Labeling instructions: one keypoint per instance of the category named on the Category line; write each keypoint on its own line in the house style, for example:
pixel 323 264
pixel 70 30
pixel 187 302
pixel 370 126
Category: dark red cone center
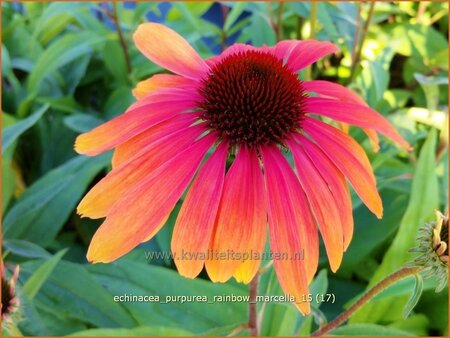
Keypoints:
pixel 252 98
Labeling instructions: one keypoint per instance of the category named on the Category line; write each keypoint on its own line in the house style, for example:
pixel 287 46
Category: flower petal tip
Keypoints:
pixel 304 308
pixel 83 145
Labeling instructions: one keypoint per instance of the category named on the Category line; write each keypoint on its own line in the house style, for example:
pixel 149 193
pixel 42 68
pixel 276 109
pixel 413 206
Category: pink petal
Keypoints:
pixel 335 181
pixel 161 81
pixel 350 158
pixel 130 148
pixel 282 50
pixel 233 49
pixel 322 204
pixel 142 211
pixel 336 91
pixel 355 114
pixel 169 50
pixel 140 117
pixel 99 200
pixel 291 227
pixel 332 90
pixel 307 52
pixel 195 221
pixel 241 219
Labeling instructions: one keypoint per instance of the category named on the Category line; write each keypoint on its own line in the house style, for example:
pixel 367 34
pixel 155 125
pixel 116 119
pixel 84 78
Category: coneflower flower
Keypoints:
pixel 249 106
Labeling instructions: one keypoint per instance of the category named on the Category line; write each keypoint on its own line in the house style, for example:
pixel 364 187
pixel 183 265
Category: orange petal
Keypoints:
pixel 140 212
pixel 169 50
pixel 241 218
pixel 195 222
pixel 322 204
pixel 130 148
pixel 137 119
pixel 285 227
pixel 336 182
pixel 351 160
pixel 160 81
pixel 373 139
pixel 105 193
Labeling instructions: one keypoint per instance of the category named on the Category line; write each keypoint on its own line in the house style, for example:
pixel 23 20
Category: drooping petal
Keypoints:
pixel 169 50
pixel 290 230
pixel 141 211
pixel 349 158
pixel 335 181
pixel 322 204
pixel 336 91
pixel 122 128
pixel 355 114
pixel 161 81
pixel 241 218
pixel 306 52
pixel 128 149
pixel 105 193
pixel 195 222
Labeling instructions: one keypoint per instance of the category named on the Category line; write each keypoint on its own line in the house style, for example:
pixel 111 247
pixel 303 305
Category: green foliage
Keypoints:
pixel 65 71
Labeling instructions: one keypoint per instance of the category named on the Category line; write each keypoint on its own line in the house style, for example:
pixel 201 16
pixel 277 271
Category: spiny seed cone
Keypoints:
pixel 433 250
pixel 251 98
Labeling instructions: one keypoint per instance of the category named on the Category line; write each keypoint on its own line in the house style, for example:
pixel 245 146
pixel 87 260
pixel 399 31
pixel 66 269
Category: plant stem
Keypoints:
pixel 312 33
pixel 223 37
pixel 271 20
pixel 355 61
pixel 421 11
pixel 252 313
pixel 383 284
pixel 115 18
pixel 280 21
pixel 357 32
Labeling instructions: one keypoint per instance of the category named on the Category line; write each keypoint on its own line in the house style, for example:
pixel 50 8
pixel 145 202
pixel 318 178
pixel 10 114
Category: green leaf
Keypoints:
pixel 61 52
pixel 115 61
pixel 82 123
pixel 237 9
pixel 430 86
pixel 12 133
pixel 44 207
pixel 73 293
pixel 370 232
pixel 424 199
pixel 417 324
pixel 38 278
pixel 404 287
pixel 149 331
pixel 368 330
pixel 56 12
pixel 415 296
pixel 125 277
pixel 261 31
pixel 25 249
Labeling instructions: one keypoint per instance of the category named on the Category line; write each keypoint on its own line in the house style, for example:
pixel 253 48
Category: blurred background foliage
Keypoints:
pixel 69 66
